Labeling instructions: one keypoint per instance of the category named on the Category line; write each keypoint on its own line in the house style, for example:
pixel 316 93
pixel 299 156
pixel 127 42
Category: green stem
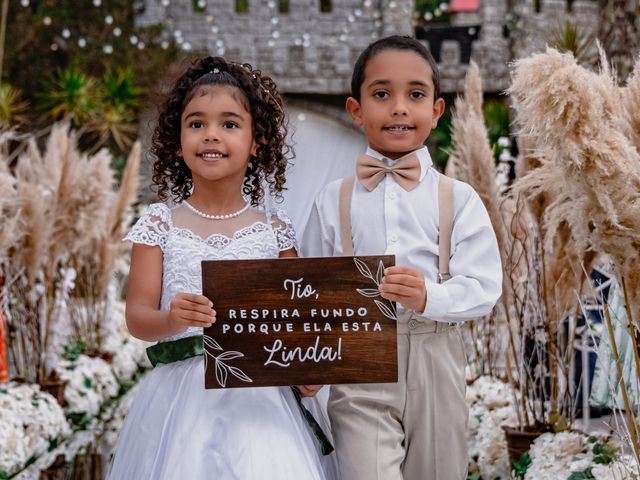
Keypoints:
pixel 631 421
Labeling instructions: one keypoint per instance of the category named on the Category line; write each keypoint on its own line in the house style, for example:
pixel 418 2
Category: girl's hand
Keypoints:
pixel 190 310
pixel 308 390
pixel 406 286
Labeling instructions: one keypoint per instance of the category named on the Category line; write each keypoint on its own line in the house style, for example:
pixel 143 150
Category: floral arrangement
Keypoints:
pixel 90 382
pixel 96 399
pixel 576 177
pixel 32 421
pixel 552 456
pixel 574 455
pixel 58 263
pixel 490 408
pixel 574 201
pixel 583 129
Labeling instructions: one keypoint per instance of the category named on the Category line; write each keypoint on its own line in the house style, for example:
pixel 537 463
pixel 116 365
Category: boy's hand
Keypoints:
pixel 190 310
pixel 406 286
pixel 308 390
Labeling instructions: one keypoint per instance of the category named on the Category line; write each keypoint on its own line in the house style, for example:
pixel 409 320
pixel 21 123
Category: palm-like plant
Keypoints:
pixel 71 94
pixel 115 121
pixel 569 38
pixel 119 89
pixel 12 107
pixel 112 123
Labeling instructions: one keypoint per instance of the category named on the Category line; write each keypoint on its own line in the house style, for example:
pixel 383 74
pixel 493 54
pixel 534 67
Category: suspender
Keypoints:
pixel 346 192
pixel 445 207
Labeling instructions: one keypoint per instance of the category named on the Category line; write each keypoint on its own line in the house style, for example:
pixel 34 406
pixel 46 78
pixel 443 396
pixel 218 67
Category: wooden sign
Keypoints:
pixel 297 321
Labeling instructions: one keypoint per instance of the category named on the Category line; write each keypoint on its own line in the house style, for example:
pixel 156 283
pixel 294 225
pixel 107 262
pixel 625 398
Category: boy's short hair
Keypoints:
pixel 393 42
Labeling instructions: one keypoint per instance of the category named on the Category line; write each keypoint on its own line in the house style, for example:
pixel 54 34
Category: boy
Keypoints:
pixel 414 429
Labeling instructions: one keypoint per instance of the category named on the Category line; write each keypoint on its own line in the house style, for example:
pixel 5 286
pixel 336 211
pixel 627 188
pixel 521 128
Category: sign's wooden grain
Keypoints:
pixel 295 321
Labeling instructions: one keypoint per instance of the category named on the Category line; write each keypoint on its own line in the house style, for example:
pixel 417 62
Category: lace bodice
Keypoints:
pixel 183 250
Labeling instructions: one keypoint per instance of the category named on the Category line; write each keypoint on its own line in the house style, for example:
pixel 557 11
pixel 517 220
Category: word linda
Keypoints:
pixel 282 356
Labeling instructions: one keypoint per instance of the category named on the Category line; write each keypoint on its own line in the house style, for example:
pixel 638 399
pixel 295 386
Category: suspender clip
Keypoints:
pixel 443 277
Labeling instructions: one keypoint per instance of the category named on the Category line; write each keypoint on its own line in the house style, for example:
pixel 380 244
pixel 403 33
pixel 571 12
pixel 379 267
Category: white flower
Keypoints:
pixel 491 445
pixel 624 468
pixel 552 455
pixel 91 382
pixel 504 142
pixel 30 421
pixel 129 358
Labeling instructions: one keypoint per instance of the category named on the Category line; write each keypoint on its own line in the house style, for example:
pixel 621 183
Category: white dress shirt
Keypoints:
pixel 391 220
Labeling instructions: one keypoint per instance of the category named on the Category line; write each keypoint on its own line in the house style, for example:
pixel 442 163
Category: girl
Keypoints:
pixel 219 139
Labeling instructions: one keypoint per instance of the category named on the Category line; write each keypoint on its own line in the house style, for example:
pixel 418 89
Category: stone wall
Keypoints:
pixel 308 51
pixel 305 50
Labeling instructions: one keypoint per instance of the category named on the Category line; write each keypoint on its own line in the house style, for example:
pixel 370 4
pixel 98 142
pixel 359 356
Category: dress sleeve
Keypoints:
pixel 152 228
pixel 283 228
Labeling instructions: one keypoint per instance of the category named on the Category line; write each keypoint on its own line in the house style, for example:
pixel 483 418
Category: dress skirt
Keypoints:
pixel 175 429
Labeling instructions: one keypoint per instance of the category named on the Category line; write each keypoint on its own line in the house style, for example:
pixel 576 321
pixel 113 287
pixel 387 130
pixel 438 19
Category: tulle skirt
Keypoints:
pixel 175 429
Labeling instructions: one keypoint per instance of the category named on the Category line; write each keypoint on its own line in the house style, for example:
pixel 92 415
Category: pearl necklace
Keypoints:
pixel 215 217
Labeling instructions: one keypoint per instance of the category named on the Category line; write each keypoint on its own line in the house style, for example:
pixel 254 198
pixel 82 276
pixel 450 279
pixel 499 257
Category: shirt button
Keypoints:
pixel 412 324
pixel 392 195
pixel 393 238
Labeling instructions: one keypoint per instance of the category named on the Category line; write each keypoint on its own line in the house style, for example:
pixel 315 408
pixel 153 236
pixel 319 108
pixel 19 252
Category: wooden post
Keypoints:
pixel 4 367
pixel 3 31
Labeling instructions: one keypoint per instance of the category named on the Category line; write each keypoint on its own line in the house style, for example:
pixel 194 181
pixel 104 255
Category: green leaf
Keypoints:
pixel 80 420
pixel 72 350
pixel 604 454
pixel 120 90
pixel 521 467
pixel 70 94
pixel 586 474
pixel 12 107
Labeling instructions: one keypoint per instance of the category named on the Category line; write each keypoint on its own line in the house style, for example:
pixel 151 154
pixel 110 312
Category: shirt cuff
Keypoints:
pixel 437 301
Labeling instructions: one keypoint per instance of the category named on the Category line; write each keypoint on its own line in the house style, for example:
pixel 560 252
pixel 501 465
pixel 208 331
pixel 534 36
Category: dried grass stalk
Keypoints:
pixel 9 220
pixel 471 160
pixel 472 157
pixel 70 217
pixel 629 415
pixel 574 116
pixel 631 104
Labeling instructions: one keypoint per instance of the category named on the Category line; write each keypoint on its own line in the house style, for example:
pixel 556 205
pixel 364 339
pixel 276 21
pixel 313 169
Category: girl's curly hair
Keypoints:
pixel 262 101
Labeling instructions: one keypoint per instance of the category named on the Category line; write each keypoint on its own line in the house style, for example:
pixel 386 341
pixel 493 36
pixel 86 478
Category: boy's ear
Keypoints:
pixel 353 108
pixel 438 110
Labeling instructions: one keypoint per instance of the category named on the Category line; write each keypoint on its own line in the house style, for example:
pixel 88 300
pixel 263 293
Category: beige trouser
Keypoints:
pixel 414 429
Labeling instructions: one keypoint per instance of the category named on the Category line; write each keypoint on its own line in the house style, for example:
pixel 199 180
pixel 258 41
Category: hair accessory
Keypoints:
pixel 215 217
pixel 215 70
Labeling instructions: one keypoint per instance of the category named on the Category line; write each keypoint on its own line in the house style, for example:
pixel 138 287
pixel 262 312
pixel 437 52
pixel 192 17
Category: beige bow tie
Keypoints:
pixel 405 171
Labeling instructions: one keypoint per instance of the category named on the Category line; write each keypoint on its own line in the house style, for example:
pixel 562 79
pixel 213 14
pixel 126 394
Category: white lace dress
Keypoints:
pixel 175 428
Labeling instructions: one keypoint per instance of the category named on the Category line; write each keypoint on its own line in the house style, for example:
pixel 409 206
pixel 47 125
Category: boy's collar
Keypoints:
pixel 422 153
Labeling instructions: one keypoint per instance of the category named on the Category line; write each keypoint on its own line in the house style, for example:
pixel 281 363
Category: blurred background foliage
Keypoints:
pixel 97 69
pixel 432 12
pixel 497 120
